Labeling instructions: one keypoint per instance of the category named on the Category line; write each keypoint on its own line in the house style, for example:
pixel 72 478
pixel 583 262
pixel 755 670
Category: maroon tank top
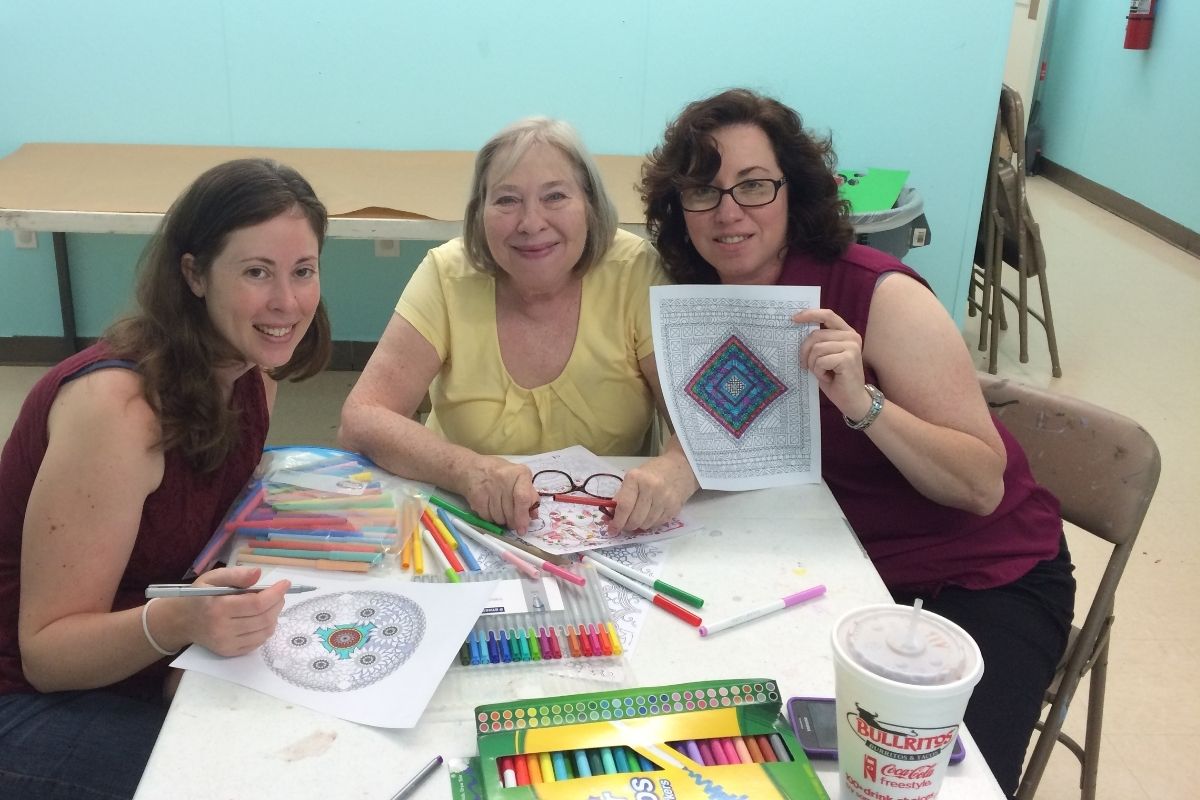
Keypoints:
pixel 915 543
pixel 177 518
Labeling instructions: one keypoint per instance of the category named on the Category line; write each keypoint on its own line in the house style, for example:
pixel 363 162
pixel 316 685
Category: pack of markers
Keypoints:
pixel 542 621
pixel 313 507
pixel 686 741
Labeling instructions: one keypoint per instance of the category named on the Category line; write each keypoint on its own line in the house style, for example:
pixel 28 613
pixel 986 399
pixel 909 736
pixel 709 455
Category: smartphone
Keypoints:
pixel 814 722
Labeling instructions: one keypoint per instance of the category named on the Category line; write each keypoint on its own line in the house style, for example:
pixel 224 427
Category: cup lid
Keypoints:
pixel 888 642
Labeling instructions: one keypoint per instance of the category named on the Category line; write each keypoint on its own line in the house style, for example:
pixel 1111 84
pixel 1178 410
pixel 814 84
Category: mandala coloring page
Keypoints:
pixel 369 650
pixel 744 409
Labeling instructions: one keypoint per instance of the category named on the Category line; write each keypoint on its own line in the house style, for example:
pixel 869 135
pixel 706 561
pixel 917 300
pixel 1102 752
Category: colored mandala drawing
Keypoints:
pixel 341 642
pixel 734 386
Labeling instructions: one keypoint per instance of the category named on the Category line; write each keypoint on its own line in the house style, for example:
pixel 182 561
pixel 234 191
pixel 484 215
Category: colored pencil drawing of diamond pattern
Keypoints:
pixel 734 386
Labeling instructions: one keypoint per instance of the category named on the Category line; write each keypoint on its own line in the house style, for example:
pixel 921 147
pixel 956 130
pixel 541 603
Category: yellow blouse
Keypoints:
pixel 600 400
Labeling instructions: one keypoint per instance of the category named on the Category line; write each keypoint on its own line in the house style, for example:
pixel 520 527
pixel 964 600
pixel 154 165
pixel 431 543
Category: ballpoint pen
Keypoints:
pixel 417 779
pixel 192 590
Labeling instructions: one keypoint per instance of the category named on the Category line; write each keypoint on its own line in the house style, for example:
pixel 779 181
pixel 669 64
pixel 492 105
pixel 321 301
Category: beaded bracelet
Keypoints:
pixel 876 407
pixel 146 630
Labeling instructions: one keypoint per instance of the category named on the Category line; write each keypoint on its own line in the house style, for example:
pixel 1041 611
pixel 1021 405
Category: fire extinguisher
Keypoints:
pixel 1140 24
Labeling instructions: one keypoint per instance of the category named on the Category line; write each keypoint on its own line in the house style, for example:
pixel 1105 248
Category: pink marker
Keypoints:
pixel 762 611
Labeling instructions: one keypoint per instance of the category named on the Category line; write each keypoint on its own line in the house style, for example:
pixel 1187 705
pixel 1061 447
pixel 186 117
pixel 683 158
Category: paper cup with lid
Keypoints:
pixel 903 678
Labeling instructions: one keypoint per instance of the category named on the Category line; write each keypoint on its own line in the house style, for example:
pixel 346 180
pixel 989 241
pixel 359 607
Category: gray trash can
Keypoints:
pixel 896 230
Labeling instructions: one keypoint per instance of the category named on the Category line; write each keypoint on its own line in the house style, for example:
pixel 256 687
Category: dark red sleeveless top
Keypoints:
pixel 177 518
pixel 914 542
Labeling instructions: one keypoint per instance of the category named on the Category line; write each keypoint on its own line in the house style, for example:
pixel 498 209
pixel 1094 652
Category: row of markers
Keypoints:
pixel 543 644
pixel 525 769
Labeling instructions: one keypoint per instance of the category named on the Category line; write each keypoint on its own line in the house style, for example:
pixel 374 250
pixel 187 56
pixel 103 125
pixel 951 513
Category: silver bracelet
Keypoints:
pixel 872 413
pixel 146 630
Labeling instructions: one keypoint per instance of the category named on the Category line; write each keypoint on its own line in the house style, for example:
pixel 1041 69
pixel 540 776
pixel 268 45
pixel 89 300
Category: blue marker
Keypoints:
pixel 618 754
pixel 561 771
pixel 493 648
pixel 581 764
pixel 505 652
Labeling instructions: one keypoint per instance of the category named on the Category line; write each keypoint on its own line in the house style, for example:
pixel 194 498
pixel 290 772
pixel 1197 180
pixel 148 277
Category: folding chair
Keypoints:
pixel 1008 234
pixel 1104 468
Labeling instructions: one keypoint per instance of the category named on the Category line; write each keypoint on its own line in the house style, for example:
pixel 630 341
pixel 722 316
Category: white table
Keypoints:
pixel 221 740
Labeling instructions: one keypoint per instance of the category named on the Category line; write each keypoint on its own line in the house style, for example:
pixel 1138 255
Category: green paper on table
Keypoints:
pixel 871 190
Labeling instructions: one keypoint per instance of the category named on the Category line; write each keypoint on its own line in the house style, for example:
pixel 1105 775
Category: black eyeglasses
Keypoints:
pixel 602 485
pixel 747 194
pixel 600 489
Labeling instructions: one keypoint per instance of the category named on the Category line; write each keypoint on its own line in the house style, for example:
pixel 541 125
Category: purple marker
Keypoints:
pixel 762 611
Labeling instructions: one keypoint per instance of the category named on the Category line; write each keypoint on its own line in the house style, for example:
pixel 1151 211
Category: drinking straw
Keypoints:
pixel 909 645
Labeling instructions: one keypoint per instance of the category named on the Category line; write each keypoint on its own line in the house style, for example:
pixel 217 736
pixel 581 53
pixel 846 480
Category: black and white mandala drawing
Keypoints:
pixel 344 641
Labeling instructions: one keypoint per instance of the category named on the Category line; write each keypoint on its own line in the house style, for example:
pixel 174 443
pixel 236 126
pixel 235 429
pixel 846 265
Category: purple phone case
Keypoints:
pixel 794 710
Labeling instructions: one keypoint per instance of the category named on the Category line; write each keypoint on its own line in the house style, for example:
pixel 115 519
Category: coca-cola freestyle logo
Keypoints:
pixel 898 743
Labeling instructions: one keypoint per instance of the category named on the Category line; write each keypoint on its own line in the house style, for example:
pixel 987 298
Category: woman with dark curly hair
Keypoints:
pixel 122 462
pixel 939 493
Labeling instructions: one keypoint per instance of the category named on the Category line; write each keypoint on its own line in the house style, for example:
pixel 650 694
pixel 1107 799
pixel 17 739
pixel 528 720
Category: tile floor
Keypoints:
pixel 1109 282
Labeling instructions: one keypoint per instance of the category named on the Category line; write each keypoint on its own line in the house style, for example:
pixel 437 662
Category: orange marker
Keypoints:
pixel 406 552
pixel 533 768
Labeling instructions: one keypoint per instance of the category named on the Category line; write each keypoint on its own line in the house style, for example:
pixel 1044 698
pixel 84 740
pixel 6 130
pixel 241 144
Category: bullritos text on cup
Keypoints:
pixel 897 742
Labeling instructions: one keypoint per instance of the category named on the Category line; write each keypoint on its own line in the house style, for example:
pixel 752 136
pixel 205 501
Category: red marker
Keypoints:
pixel 644 591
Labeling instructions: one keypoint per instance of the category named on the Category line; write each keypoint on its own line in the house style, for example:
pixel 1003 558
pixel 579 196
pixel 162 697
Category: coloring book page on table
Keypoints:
pixel 743 408
pixel 370 651
pixel 569 528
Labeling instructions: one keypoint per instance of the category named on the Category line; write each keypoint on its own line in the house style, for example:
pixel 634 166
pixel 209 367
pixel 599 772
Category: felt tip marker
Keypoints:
pixel 762 611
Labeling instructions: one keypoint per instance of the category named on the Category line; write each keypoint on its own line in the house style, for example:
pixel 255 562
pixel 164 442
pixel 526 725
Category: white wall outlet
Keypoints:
pixel 26 240
pixel 387 248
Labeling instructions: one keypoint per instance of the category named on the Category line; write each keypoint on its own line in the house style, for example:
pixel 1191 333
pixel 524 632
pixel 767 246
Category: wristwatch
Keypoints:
pixel 872 413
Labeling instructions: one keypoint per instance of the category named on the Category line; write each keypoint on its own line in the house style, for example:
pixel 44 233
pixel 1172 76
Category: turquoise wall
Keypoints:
pixel 1127 119
pixel 900 85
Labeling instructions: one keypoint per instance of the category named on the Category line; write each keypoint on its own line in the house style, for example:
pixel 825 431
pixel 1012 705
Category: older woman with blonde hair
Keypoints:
pixel 530 333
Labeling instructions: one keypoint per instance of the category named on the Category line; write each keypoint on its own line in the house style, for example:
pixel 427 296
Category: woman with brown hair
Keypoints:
pixel 939 493
pixel 122 462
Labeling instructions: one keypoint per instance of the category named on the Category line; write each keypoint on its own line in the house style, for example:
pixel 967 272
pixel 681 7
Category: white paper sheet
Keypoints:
pixel 570 528
pixel 743 408
pixel 369 650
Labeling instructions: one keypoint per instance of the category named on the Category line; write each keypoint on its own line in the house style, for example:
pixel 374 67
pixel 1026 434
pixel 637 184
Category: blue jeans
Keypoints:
pixel 75 745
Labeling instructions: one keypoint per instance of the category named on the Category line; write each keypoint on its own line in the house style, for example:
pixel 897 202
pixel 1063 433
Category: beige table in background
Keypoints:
pixel 370 194
pixel 224 741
